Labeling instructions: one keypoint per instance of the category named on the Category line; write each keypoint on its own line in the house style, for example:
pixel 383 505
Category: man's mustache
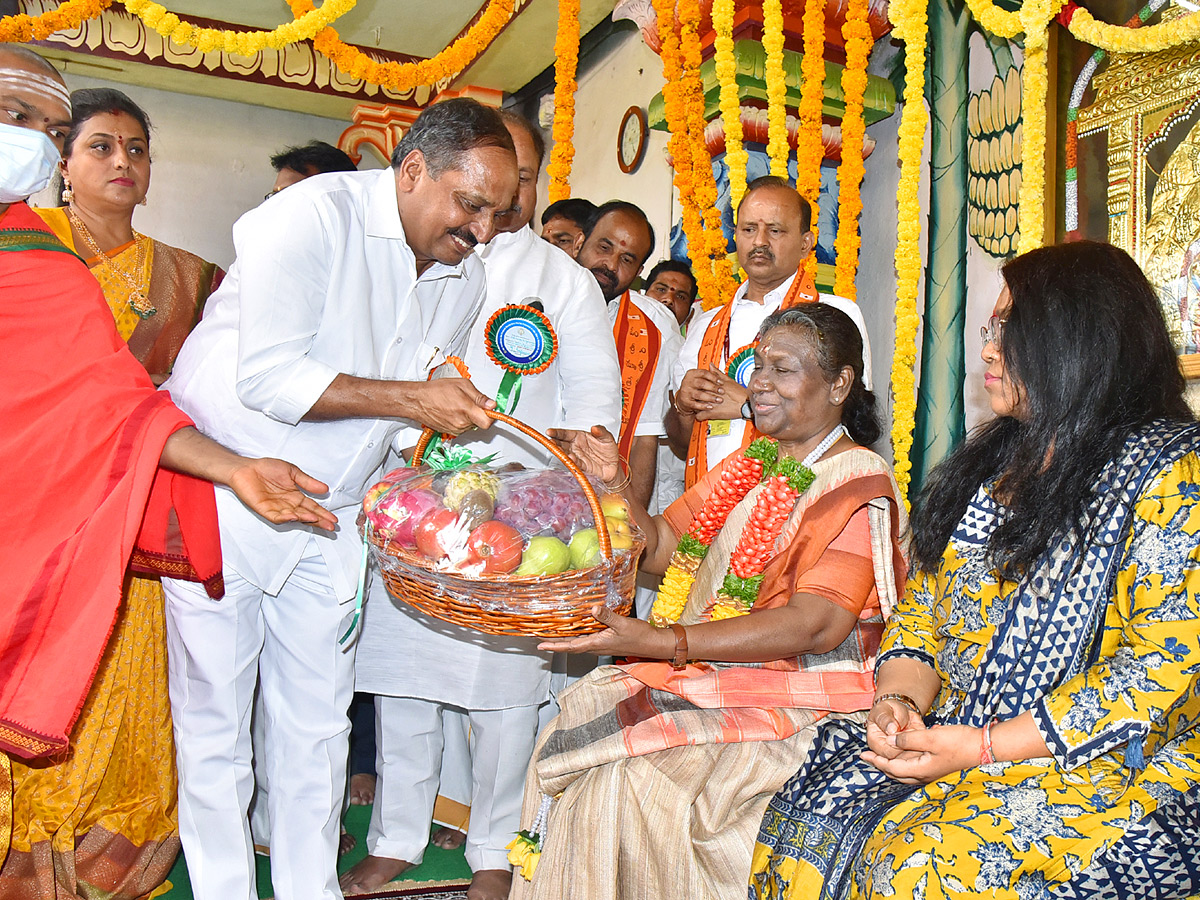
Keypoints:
pixel 763 252
pixel 465 236
pixel 601 272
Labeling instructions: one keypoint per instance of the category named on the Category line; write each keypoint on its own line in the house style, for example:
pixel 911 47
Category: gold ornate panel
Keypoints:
pixel 1149 105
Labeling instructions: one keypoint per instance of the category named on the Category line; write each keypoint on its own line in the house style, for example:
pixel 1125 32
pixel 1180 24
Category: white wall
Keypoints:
pixel 211 162
pixel 622 72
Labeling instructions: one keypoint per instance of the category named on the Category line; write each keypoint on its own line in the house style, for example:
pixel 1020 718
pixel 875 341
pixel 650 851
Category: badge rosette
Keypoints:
pixel 521 341
pixel 741 364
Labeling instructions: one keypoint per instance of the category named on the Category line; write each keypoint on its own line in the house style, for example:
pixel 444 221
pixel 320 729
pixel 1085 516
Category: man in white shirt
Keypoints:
pixel 453 675
pixel 619 240
pixel 347 290
pixel 706 422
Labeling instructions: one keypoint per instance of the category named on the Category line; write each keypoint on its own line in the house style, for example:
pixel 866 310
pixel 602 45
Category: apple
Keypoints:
pixel 497 546
pixel 545 555
pixel 439 533
pixel 585 549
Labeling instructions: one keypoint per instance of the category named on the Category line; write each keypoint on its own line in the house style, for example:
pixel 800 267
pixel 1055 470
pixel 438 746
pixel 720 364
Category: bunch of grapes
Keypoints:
pixel 544 503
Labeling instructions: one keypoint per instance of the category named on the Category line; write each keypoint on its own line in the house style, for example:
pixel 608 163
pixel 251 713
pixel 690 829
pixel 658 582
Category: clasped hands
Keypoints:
pixel 904 748
pixel 706 394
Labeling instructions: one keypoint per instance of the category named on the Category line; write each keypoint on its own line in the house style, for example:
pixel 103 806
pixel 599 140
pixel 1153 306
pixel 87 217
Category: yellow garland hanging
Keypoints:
pixel 403 77
pixel 566 61
pixel 856 32
pixel 995 20
pixel 71 14
pixel 243 43
pixel 1120 39
pixel 909 17
pixel 810 149
pixel 1036 14
pixel 777 138
pixel 736 157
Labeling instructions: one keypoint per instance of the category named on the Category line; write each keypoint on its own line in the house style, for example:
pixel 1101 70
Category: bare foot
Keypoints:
pixel 371 874
pixel 490 884
pixel 448 838
pixel 346 843
pixel 362 789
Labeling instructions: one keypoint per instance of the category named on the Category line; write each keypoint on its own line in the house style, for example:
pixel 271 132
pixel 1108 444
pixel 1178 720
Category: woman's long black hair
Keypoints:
pixel 1085 345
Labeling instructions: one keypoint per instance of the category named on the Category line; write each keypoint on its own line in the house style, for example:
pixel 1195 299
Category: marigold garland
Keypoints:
pixel 70 14
pixel 1035 16
pixel 910 20
pixel 566 61
pixel 810 150
pixel 404 77
pixel 736 157
pixel 784 479
pixel 777 140
pixel 856 32
pixel 683 97
pixel 243 43
pixel 1127 39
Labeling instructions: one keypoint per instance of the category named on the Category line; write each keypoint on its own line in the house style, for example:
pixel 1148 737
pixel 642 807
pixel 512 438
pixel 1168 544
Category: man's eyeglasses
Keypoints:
pixel 992 331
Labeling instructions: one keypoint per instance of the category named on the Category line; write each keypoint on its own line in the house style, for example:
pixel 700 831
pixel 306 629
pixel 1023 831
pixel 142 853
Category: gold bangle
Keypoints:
pixel 900 698
pixel 628 480
pixel 681 646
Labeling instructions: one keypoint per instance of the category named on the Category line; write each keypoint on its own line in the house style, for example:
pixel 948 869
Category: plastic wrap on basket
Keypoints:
pixel 506 550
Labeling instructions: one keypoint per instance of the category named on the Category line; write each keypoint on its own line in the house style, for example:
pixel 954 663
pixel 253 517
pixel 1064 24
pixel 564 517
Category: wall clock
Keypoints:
pixel 631 139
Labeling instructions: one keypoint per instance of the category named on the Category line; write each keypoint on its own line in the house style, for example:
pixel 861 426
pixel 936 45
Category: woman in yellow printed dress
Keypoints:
pixel 101 821
pixel 1034 726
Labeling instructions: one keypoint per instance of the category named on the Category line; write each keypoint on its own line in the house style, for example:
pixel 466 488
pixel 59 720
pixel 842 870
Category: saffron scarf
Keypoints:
pixel 638 343
pixel 713 352
pixel 81 490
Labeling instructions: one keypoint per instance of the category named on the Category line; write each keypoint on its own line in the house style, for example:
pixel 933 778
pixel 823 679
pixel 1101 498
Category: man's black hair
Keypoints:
pixel 573 209
pixel 313 158
pixel 447 130
pixel 672 265
pixel 620 206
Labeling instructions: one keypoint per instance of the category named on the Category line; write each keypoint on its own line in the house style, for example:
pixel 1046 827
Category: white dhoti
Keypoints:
pixel 217 652
pixel 424 671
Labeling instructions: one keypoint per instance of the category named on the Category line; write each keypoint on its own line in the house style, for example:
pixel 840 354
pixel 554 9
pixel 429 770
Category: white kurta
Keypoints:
pixel 324 283
pixel 402 653
pixel 744 323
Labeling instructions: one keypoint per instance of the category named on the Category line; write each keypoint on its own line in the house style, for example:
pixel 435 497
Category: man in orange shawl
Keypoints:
pixel 100 468
pixel 618 241
pixel 707 420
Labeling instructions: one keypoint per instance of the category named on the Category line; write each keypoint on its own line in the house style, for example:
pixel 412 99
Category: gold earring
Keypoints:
pixel 67 195
pixel 142 202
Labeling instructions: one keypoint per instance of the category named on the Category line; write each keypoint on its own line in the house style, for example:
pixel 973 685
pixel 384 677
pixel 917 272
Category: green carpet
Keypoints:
pixel 438 865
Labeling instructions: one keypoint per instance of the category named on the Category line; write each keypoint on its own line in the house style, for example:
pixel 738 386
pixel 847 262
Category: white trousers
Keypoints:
pixel 217 651
pixel 408 762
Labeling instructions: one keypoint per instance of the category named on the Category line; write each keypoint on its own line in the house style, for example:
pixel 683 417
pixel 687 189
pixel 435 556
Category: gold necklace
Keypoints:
pixel 137 299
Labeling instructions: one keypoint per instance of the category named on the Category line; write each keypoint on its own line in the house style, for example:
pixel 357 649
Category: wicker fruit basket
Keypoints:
pixel 539 605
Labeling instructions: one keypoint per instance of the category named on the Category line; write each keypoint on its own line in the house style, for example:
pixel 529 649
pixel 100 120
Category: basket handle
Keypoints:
pixel 588 491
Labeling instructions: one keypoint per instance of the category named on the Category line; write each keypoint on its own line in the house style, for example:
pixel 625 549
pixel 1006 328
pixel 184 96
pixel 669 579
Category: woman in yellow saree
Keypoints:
pixel 100 820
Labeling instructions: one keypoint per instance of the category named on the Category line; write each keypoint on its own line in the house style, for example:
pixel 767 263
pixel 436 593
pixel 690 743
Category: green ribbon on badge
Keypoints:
pixel 741 365
pixel 521 341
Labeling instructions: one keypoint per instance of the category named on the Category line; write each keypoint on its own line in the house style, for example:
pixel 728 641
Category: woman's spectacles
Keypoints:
pixel 992 331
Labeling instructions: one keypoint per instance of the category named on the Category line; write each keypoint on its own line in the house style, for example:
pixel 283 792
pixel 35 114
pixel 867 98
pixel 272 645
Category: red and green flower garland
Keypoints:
pixel 785 480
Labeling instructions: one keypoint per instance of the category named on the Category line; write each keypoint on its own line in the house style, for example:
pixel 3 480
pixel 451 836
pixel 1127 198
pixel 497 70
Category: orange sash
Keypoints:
pixel 638 342
pixel 714 350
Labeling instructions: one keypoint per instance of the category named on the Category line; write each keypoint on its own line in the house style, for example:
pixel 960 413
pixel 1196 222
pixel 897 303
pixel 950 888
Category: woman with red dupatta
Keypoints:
pixel 101 472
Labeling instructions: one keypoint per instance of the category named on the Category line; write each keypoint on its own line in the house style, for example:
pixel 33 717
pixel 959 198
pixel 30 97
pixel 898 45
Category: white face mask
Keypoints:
pixel 27 161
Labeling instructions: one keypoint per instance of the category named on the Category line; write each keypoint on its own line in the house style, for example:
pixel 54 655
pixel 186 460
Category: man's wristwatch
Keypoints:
pixel 747 411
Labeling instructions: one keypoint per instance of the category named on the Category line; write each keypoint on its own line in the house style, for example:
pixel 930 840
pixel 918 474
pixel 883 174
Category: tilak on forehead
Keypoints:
pixel 35 82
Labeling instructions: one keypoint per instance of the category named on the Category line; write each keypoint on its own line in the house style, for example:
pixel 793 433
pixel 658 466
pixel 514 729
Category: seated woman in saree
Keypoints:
pixel 663 767
pixel 1034 727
